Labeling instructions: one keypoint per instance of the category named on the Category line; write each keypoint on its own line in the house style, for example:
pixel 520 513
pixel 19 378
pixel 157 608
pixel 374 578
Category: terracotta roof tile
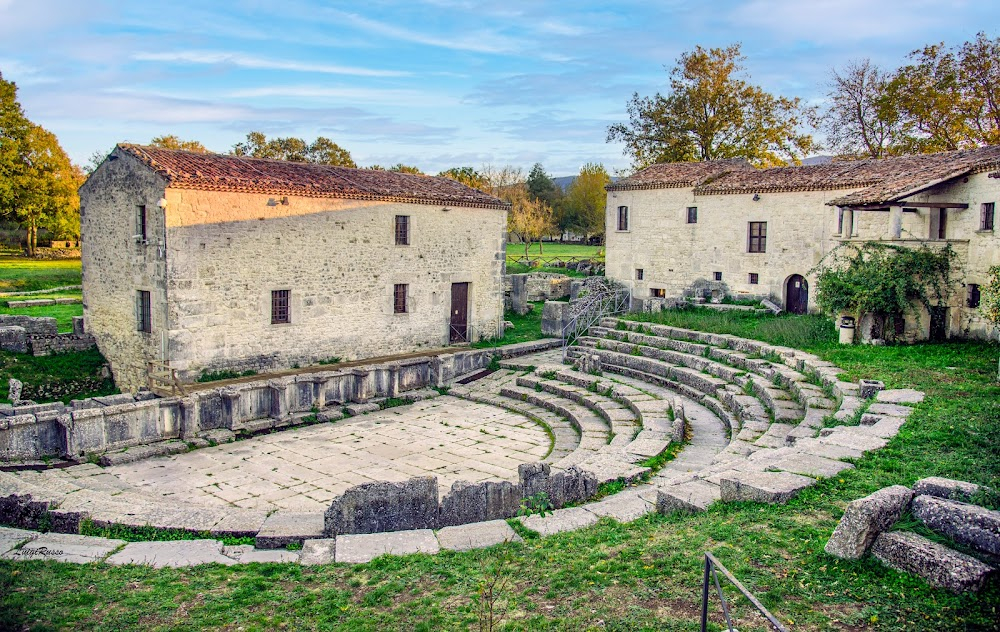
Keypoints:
pixel 679 174
pixel 217 172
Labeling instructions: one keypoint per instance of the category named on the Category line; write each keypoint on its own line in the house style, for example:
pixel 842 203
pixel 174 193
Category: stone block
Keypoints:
pixel 900 396
pixel 519 293
pixel 624 507
pixel 14 339
pixel 384 506
pixel 764 487
pixel 175 554
pixel 138 453
pixel 64 547
pixel 940 566
pixel 247 554
pixel 489 500
pixel 285 527
pixel 555 317
pixel 945 488
pixel 971 525
pixel 893 410
pixel 360 409
pixel 318 551
pixel 559 520
pixel 810 465
pixel 478 535
pixel 693 496
pixel 865 518
pixel 361 548
pixel 10 538
pixel 78 327
pixel 868 389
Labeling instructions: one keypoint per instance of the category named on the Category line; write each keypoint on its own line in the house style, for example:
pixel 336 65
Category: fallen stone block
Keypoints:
pixel 864 519
pixel 65 547
pixel 945 488
pixel 218 436
pixel 693 496
pixel 360 409
pixel 326 416
pixel 140 452
pixel 559 520
pixel 318 551
pixel 764 487
pixel 624 507
pixel 478 535
pixel 361 548
pixel 940 566
pixel 852 437
pixel 893 410
pixel 868 389
pixel 900 396
pixel 283 528
pixel 384 506
pixel 971 525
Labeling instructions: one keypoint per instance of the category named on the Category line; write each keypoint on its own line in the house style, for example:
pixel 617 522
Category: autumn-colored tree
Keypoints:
pixel 467 176
pixel 321 151
pixel 583 208
pixel 528 218
pixel 863 118
pixel 37 181
pixel 171 141
pixel 711 113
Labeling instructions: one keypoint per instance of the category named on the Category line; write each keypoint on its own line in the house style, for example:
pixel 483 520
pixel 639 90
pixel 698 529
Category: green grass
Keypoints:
pixel 526 328
pixel 555 249
pixel 517 268
pixel 641 576
pixel 62 313
pixel 20 274
pixel 60 377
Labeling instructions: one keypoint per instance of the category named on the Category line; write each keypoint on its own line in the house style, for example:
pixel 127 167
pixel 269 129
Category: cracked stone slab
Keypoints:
pixel 691 496
pixel 767 487
pixel 560 520
pixel 810 465
pixel 10 538
pixel 893 410
pixel 173 554
pixel 945 488
pixel 865 518
pixel 852 437
pixel 65 547
pixel 940 566
pixel 286 527
pixel 828 450
pixel 900 396
pixel 318 551
pixel 478 535
pixel 624 507
pixel 364 547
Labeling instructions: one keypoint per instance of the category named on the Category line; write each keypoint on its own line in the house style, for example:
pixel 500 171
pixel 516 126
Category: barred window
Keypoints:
pixel 754 279
pixel 399 298
pixel 143 316
pixel 638 274
pixel 140 223
pixel 402 230
pixel 692 215
pixel 658 292
pixel 758 237
pixel 717 276
pixel 622 218
pixel 280 312
pixel 987 215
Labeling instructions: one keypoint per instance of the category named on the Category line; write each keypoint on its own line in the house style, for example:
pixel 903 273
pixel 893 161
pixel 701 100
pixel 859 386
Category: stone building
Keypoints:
pixel 728 227
pixel 207 262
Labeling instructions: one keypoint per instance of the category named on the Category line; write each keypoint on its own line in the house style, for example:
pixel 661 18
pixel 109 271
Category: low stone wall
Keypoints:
pixel 33 326
pixel 104 424
pixel 43 302
pixel 60 343
pixel 413 504
pixel 540 286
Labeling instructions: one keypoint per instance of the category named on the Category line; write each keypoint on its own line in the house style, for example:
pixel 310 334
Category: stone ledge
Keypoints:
pixel 938 565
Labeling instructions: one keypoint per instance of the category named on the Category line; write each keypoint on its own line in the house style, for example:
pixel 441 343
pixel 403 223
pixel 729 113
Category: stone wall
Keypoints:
pixel 541 286
pixel 60 343
pixel 33 326
pixel 39 336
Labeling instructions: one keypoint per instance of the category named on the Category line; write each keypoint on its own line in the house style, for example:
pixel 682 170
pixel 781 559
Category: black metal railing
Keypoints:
pixel 599 297
pixel 712 568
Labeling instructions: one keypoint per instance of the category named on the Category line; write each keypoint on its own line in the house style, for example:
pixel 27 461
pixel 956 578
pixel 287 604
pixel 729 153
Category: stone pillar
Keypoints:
pixel 190 417
pixel 393 380
pixel 435 369
pixel 78 326
pixel 847 230
pixel 362 390
pixel 231 406
pixel 519 293
pixel 279 401
pixel 555 317
pixel 895 222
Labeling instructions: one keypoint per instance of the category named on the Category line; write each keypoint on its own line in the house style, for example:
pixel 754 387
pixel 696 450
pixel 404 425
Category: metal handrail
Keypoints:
pixel 711 564
pixel 598 306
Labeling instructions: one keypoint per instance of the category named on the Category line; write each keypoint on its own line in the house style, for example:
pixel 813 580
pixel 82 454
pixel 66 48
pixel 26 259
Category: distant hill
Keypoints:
pixel 817 160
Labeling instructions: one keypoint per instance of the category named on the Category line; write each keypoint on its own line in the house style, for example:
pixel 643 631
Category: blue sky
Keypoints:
pixel 435 83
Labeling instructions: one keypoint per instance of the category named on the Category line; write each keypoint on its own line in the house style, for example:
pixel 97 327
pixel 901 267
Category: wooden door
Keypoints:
pixel 797 295
pixel 939 323
pixel 459 329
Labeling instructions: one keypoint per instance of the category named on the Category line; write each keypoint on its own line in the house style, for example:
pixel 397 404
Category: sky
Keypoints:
pixel 431 83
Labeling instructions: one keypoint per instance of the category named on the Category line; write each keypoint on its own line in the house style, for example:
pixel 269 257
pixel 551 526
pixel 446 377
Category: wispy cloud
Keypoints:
pixel 353 94
pixel 240 60
pixel 479 41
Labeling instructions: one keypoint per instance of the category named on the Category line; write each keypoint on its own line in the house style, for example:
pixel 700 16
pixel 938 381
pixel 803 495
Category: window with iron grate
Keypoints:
pixel 402 230
pixel 280 312
pixel 399 298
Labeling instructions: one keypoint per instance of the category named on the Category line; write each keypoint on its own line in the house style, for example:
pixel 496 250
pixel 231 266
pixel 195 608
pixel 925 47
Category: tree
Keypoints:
pixel 712 113
pixel 541 186
pixel 173 142
pixel 321 151
pixel 989 302
pixel 467 176
pixel 929 96
pixel 37 181
pixel 583 208
pixel 528 218
pixel 863 119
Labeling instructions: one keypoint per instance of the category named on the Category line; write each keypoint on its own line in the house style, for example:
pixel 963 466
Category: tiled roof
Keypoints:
pixel 679 174
pixel 216 172
pixel 880 181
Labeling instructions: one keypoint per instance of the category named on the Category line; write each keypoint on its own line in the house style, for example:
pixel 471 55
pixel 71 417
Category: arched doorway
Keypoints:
pixel 796 295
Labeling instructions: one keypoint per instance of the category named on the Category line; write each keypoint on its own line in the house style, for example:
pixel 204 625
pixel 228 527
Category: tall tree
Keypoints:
pixel 528 218
pixel 467 176
pixel 863 118
pixel 586 200
pixel 171 141
pixel 542 187
pixel 37 182
pixel 980 79
pixel 712 112
pixel 928 92
pixel 321 151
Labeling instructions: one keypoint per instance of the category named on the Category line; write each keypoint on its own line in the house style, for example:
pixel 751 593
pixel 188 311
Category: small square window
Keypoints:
pixel 143 314
pixel 622 218
pixel 754 279
pixel 757 237
pixel 402 230
pixel 987 215
pixel 658 292
pixel 638 274
pixel 280 313
pixel 717 276
pixel 399 298
pixel 972 295
pixel 692 215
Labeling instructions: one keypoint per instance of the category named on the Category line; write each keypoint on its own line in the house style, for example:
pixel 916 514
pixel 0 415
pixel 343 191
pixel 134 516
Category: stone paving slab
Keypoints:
pixel 765 487
pixel 692 496
pixel 65 547
pixel 286 527
pixel 177 553
pixel 900 396
pixel 624 506
pixel 318 551
pixel 479 535
pixel 247 554
pixel 560 520
pixel 810 465
pixel 364 547
pixel 9 538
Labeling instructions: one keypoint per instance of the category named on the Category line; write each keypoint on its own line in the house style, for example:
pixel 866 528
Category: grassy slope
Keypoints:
pixel 64 376
pixel 641 576
pixel 19 274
